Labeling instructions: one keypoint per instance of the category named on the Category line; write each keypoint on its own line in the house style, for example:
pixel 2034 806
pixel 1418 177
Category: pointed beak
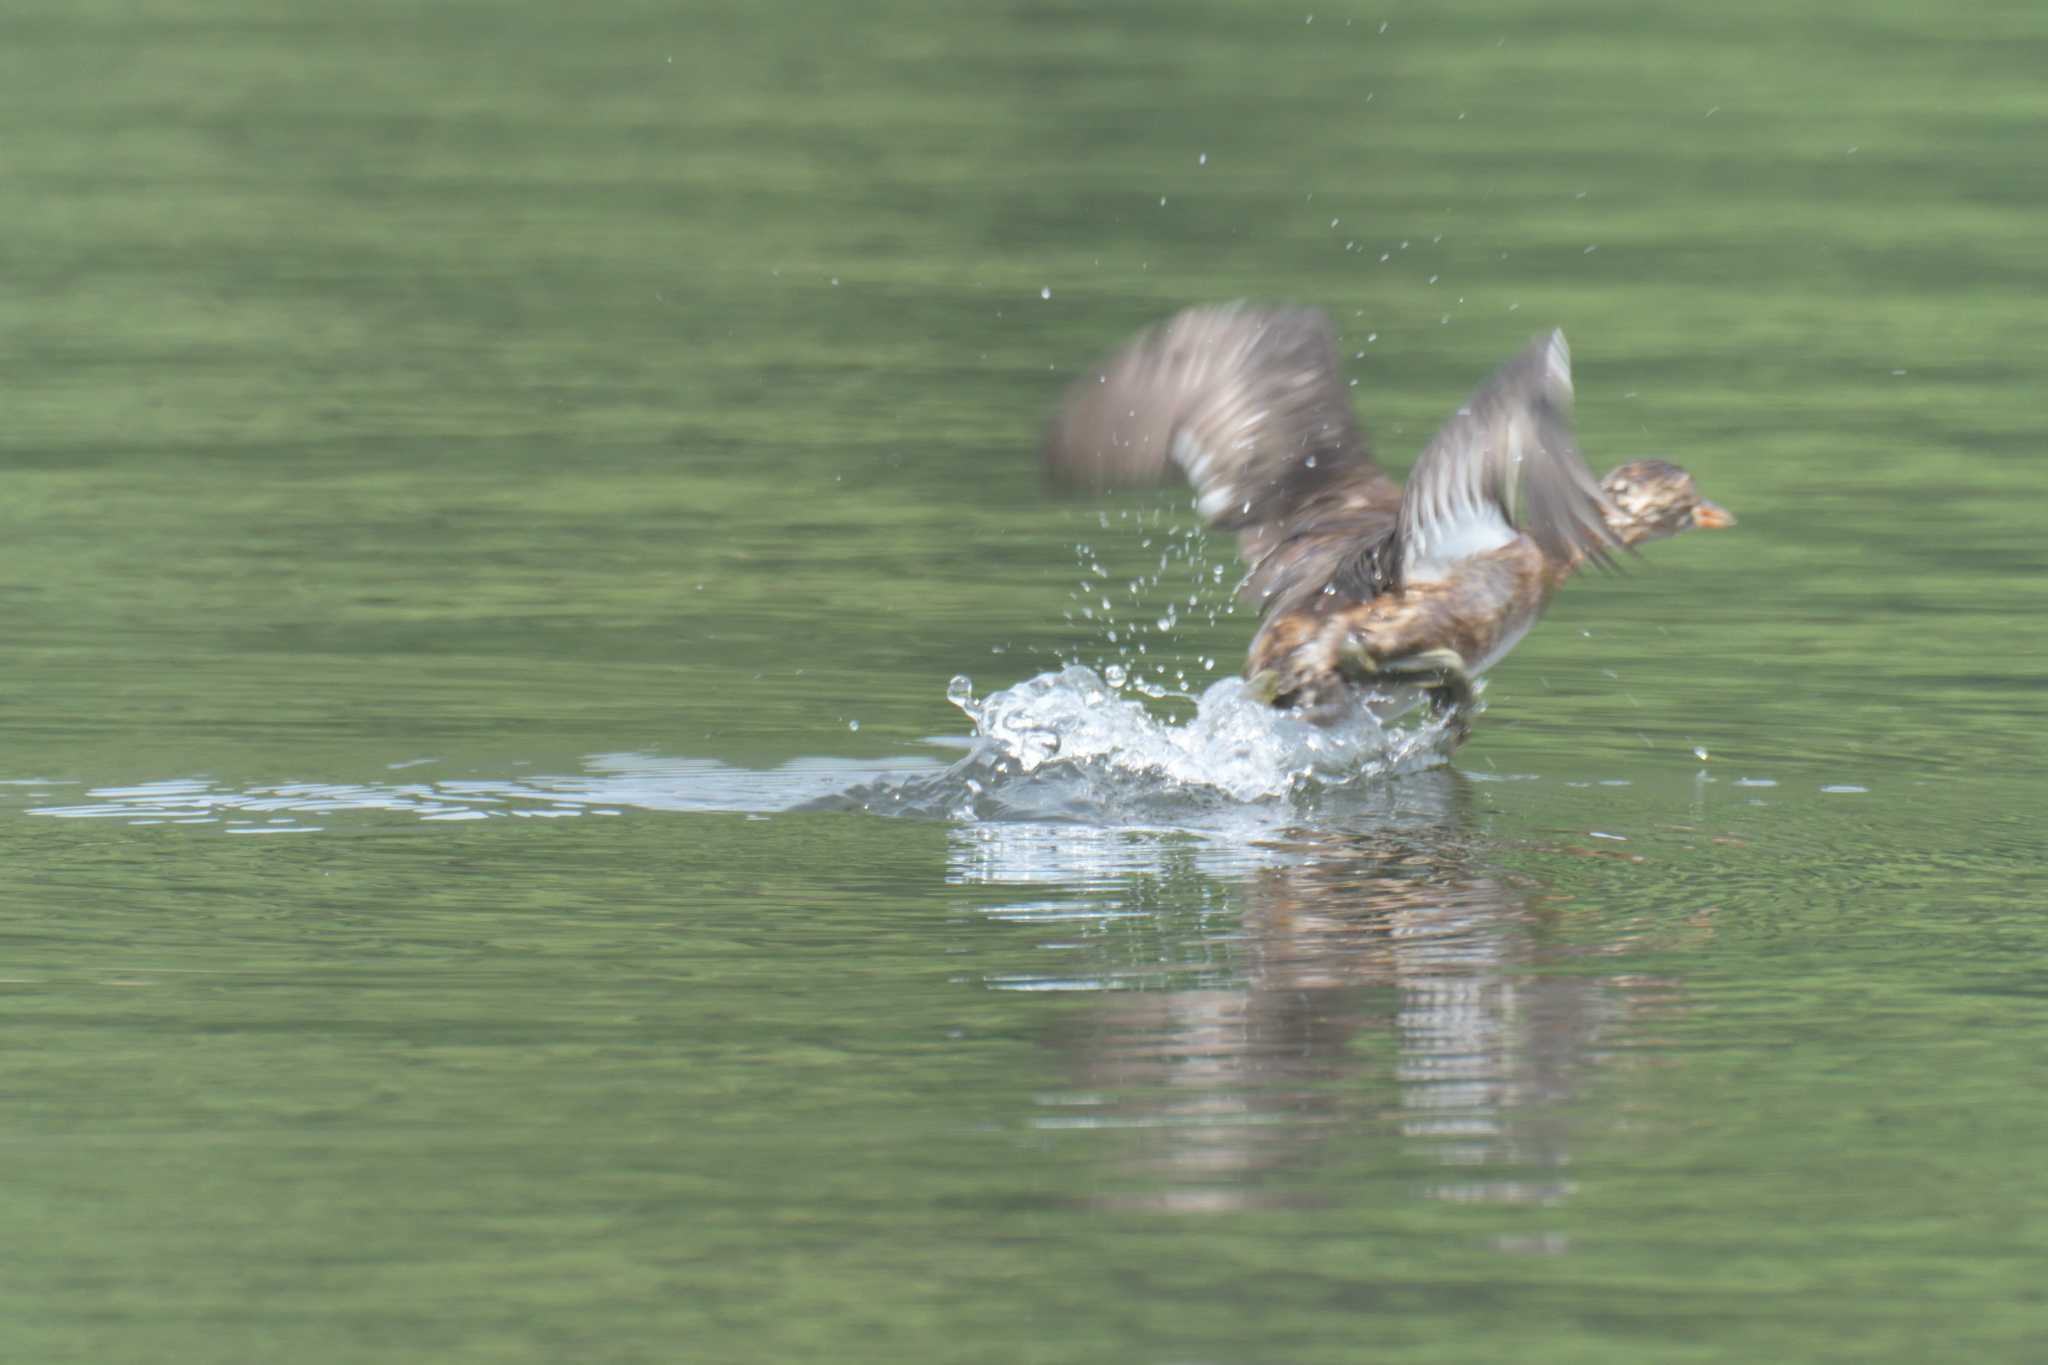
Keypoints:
pixel 1711 516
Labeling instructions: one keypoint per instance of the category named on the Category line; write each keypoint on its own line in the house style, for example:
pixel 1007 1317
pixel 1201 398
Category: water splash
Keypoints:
pixel 1146 618
pixel 1068 745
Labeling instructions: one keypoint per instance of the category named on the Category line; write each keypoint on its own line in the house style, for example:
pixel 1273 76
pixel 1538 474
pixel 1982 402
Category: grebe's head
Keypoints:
pixel 1654 499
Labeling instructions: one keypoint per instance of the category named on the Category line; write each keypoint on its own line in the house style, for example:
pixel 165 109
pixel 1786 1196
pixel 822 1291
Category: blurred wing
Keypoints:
pixel 1341 544
pixel 1516 431
pixel 1247 402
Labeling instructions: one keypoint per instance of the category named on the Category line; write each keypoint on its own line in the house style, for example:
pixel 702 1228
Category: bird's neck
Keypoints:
pixel 1627 530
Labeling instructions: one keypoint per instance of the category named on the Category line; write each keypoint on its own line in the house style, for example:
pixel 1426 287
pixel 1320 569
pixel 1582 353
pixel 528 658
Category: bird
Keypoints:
pixel 1370 594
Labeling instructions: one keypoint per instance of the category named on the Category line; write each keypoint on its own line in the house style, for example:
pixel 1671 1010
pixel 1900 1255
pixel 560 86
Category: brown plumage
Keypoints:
pixel 1368 592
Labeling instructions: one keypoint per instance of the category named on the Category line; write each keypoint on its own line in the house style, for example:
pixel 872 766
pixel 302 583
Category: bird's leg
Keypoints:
pixel 1449 666
pixel 1451 690
pixel 1354 660
pixel 1452 695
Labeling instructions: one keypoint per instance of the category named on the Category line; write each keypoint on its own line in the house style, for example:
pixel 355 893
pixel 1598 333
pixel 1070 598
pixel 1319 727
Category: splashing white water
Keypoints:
pixel 1071 739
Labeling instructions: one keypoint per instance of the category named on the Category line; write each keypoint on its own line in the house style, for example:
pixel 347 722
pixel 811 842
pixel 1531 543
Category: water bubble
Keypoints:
pixel 1114 675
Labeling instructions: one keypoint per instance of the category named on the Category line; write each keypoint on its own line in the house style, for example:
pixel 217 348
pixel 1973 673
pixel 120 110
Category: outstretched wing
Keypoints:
pixel 1247 402
pixel 1515 432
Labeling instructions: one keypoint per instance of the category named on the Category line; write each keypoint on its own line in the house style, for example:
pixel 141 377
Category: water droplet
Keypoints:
pixel 1114 675
pixel 1046 292
pixel 960 691
pixel 853 725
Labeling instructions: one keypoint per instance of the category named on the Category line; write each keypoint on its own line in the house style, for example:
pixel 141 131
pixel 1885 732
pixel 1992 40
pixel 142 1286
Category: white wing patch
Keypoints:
pixel 1462 498
pixel 1451 535
pixel 1462 521
pixel 1214 494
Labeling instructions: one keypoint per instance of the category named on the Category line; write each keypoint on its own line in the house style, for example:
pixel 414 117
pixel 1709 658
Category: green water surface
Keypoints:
pixel 473 469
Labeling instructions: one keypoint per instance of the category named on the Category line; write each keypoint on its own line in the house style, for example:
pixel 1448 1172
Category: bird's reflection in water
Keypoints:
pixel 1255 1005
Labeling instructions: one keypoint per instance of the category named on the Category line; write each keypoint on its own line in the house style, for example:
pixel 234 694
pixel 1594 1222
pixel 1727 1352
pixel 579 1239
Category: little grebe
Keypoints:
pixel 1368 594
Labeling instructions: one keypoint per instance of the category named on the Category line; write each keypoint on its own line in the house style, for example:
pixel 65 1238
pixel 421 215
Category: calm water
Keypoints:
pixel 497 495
